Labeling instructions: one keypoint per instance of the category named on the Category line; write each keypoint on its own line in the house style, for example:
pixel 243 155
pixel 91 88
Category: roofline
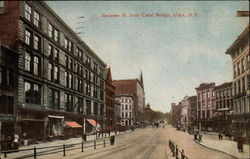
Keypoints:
pixel 238 39
pixel 72 32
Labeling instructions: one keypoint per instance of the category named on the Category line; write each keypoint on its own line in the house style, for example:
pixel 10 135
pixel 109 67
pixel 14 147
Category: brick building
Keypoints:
pixel 60 79
pixel 110 102
pixel 192 110
pixel 239 52
pixel 205 104
pixel 224 107
pixel 135 89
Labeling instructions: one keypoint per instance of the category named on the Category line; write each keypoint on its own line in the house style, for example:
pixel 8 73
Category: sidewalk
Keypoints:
pixel 58 142
pixel 226 146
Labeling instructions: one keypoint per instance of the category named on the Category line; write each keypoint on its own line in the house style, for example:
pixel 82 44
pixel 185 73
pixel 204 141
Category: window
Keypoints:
pixel 27 11
pixel 54 99
pixel 70 80
pixel 1 7
pixel 36 42
pixel 66 79
pixel 88 61
pixel 50 50
pixel 32 93
pixel 27 62
pixel 88 105
pixel 242 65
pixel 50 70
pixel 27 37
pixel 36 65
pixel 56 74
pixel 68 102
pixel 96 108
pixel 130 114
pixel 66 43
pixel 243 84
pixel 56 37
pixel 36 19
pixel 50 31
pixel 238 68
pixel 56 54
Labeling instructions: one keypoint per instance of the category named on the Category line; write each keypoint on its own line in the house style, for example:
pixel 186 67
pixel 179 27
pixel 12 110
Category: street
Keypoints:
pixel 146 143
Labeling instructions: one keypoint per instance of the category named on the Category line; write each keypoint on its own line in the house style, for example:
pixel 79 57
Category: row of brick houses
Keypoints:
pixel 52 84
pixel 223 108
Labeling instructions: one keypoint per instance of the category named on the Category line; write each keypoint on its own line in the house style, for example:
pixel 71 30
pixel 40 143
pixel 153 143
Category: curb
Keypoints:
pixel 216 150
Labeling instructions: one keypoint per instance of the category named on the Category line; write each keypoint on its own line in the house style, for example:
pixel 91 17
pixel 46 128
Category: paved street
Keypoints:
pixel 147 143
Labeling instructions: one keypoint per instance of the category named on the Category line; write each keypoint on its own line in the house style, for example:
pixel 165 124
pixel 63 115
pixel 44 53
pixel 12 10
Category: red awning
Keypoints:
pixel 92 122
pixel 72 124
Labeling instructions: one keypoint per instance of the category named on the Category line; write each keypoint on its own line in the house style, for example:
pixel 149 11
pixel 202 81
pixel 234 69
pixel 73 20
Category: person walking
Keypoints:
pixel 15 142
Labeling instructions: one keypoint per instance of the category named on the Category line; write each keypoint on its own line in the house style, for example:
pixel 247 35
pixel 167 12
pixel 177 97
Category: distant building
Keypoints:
pixel 192 110
pixel 135 89
pixel 224 106
pixel 127 113
pixel 117 112
pixel 176 113
pixel 110 102
pixel 184 104
pixel 239 52
pixel 205 104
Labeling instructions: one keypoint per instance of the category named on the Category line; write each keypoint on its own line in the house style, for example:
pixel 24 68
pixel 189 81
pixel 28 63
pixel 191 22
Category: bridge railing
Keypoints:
pixel 177 153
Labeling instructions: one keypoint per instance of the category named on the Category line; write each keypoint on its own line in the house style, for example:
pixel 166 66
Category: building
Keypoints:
pixel 135 89
pixel 117 112
pixel 192 110
pixel 110 102
pixel 176 114
pixel 184 104
pixel 8 91
pixel 224 107
pixel 127 116
pixel 205 105
pixel 60 79
pixel 239 52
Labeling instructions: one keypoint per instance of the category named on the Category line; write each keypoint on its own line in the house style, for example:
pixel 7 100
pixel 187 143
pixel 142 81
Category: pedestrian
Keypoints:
pixel 15 142
pixel 219 136
pixel 200 137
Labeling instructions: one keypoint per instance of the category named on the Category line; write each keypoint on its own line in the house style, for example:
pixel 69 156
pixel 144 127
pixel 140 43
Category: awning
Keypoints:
pixel 58 117
pixel 72 124
pixel 92 122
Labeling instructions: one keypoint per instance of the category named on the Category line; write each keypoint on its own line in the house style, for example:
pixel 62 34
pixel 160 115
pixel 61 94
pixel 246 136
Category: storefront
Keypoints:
pixel 55 124
pixel 7 125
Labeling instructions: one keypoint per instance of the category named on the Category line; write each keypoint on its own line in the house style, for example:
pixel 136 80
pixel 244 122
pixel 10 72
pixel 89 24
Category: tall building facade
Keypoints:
pixel 134 88
pixel 8 91
pixel 239 52
pixel 224 107
pixel 110 102
pixel 60 78
pixel 205 104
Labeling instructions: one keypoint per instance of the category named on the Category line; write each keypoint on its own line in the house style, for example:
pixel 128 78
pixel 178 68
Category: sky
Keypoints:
pixel 175 53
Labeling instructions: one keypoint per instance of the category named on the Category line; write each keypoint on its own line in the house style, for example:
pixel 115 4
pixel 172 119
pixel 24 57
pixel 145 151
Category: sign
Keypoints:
pixel 7 117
